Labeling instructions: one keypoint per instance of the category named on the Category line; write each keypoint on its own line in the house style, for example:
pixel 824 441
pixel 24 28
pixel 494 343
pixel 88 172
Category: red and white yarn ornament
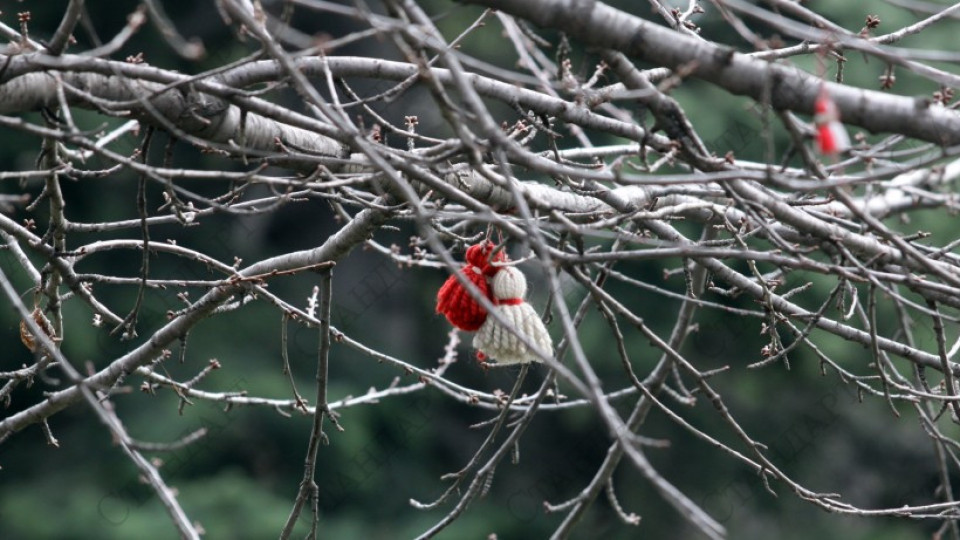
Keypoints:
pixel 453 300
pixel 832 137
pixel 495 341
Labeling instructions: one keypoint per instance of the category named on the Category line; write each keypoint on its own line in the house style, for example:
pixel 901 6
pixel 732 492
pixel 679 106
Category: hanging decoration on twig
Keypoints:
pixel 832 137
pixel 495 341
pixel 505 287
pixel 453 300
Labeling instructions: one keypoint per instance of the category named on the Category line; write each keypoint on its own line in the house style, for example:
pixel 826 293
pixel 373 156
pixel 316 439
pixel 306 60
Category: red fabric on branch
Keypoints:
pixel 455 302
pixel 831 136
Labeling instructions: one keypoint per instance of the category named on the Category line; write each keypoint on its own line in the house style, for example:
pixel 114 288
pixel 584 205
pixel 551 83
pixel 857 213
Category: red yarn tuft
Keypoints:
pixel 479 256
pixel 458 306
pixel 455 302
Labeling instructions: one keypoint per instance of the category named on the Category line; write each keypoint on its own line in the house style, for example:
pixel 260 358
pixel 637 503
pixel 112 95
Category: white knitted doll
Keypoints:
pixel 497 342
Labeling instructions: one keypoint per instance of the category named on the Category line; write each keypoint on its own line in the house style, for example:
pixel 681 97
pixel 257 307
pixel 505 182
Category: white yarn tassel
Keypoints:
pixel 497 342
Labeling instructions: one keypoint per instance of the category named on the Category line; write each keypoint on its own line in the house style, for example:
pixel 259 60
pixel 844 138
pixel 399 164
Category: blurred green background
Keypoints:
pixel 240 481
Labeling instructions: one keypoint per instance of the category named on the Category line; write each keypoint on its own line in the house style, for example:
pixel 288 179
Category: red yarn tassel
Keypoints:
pixel 455 302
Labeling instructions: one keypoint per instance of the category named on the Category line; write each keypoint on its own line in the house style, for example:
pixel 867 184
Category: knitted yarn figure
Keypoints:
pixel 831 137
pixel 497 342
pixel 455 302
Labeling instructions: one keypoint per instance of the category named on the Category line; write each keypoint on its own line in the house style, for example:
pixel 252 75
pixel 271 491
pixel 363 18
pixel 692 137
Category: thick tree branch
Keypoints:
pixel 600 25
